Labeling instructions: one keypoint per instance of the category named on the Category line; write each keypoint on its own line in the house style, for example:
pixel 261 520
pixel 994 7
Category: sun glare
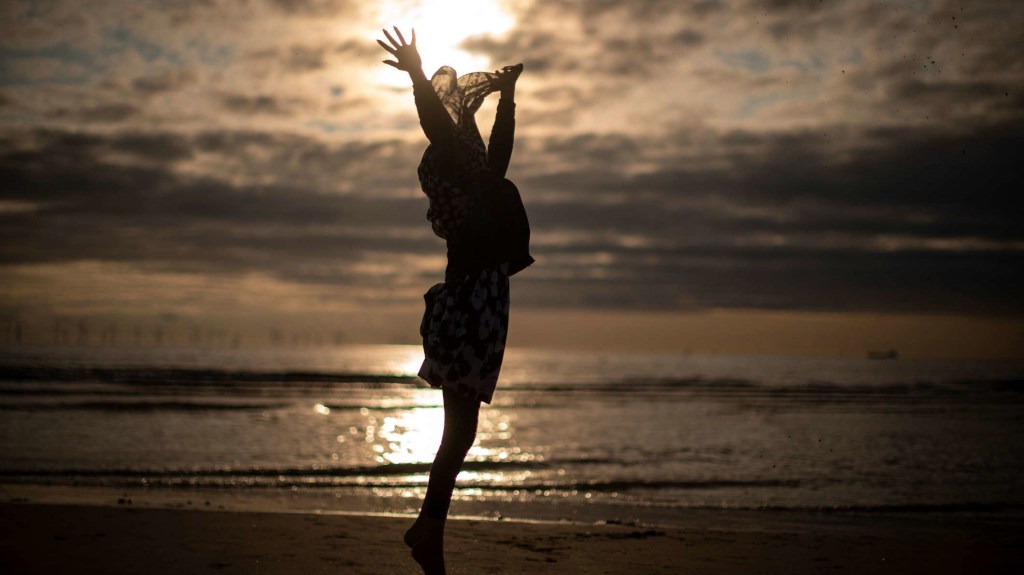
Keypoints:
pixel 441 28
pixel 412 437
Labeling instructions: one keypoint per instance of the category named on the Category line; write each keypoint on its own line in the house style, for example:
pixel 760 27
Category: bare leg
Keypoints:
pixel 426 536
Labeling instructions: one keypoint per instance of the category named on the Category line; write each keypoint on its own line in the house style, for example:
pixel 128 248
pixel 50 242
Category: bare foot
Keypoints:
pixel 429 553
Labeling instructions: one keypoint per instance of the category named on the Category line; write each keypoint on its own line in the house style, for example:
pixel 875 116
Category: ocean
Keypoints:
pixel 643 438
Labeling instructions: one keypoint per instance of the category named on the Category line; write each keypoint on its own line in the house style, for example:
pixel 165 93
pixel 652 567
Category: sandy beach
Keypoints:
pixel 130 539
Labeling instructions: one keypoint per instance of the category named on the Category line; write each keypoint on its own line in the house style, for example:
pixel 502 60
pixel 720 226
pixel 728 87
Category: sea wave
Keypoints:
pixel 497 477
pixel 139 406
pixel 187 376
pixel 400 478
pixel 48 380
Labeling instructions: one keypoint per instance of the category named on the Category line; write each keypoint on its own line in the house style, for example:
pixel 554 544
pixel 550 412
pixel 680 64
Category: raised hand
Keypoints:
pixel 506 78
pixel 407 58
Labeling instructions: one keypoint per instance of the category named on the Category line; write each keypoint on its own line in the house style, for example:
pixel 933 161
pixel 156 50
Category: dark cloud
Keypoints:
pixel 259 104
pixel 917 220
pixel 802 279
pixel 103 113
pixel 705 7
pixel 317 57
pixel 95 209
pixel 875 231
pixel 165 81
pixel 939 95
pixel 687 37
pixel 40 148
pixel 313 7
pixel 937 182
pixel 156 147
pixel 366 167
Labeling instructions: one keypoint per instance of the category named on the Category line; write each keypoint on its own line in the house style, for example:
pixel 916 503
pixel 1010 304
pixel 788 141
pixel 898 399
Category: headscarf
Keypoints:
pixel 462 96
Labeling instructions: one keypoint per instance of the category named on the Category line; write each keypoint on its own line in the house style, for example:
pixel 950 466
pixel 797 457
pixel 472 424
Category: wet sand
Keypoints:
pixel 126 539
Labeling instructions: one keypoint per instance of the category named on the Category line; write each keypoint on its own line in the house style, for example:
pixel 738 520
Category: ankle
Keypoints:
pixel 431 525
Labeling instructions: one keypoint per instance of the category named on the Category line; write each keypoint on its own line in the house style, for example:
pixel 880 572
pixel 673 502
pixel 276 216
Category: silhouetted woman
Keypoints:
pixel 480 215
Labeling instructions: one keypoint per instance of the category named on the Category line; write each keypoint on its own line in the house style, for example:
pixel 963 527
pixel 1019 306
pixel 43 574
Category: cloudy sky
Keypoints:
pixel 811 168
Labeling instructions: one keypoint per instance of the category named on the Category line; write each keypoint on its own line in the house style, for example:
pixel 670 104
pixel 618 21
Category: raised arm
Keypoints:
pixel 434 119
pixel 499 149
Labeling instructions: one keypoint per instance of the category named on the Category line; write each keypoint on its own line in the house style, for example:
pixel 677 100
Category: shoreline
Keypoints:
pixel 150 534
pixel 553 510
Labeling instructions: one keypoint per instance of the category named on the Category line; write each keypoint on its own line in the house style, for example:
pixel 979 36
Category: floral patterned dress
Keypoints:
pixel 465 323
pixel 464 329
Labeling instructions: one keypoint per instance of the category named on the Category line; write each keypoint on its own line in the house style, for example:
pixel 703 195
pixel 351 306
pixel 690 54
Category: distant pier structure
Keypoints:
pixel 883 354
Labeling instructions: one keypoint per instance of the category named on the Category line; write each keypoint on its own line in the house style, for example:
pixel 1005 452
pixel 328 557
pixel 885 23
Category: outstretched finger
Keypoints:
pixel 391 38
pixel 413 42
pixel 386 47
pixel 392 63
pixel 400 37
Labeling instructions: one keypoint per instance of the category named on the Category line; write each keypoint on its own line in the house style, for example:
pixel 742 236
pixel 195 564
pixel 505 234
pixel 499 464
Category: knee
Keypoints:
pixel 465 437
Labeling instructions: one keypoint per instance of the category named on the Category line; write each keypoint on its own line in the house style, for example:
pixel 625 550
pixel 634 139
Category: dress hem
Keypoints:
pixel 461 388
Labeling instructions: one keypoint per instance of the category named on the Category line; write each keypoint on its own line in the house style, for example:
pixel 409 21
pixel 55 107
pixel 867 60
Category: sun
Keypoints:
pixel 441 28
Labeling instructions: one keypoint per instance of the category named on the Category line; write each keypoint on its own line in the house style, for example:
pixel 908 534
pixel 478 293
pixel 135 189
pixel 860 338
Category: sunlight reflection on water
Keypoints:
pixel 412 436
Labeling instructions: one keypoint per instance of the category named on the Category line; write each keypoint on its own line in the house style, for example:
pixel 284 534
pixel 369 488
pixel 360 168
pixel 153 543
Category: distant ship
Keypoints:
pixel 883 354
